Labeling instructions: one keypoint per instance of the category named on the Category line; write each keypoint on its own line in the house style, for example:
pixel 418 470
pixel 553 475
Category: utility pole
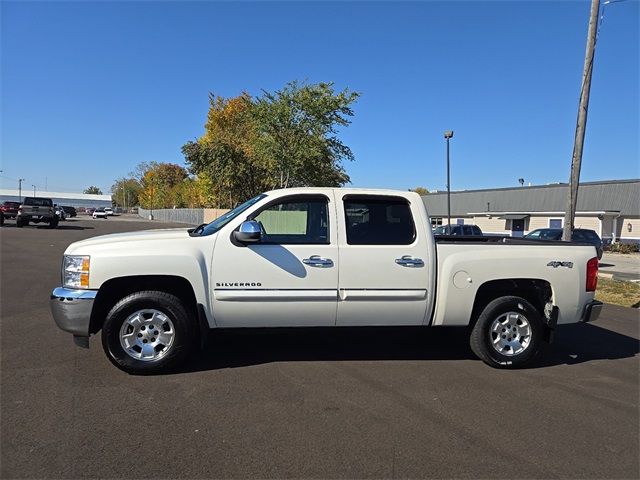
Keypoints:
pixel 448 135
pixel 34 189
pixel 20 180
pixel 581 124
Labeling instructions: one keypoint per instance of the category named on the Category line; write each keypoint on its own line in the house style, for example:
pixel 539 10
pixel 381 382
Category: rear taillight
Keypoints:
pixel 592 274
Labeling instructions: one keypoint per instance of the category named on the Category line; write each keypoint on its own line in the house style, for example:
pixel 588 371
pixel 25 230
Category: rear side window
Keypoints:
pixel 551 234
pixel 374 220
pixel 578 236
pixel 590 235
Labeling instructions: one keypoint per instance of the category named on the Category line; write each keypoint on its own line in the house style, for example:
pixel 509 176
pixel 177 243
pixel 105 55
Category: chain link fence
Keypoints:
pixel 191 216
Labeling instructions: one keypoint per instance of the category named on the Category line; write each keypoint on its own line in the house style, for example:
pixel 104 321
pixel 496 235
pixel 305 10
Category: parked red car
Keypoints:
pixel 10 209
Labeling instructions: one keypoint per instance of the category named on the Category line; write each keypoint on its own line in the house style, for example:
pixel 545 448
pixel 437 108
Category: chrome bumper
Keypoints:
pixel 71 309
pixel 592 311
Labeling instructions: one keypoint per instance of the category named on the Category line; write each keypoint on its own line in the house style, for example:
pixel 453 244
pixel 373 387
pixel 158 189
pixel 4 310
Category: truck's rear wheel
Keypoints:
pixel 20 222
pixel 508 333
pixel 148 332
pixel 53 223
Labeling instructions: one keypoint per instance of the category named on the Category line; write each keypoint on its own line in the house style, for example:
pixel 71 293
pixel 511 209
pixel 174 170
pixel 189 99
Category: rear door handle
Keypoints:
pixel 318 261
pixel 409 261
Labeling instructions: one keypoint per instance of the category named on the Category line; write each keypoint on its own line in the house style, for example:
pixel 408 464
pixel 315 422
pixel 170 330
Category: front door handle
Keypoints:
pixel 318 261
pixel 409 261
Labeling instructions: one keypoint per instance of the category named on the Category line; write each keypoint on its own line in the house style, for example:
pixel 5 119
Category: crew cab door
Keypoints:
pixel 288 278
pixel 385 261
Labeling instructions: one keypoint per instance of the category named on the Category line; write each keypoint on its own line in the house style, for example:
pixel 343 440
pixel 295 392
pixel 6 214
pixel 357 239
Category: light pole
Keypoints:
pixel 448 135
pixel 34 189
pixel 20 180
pixel 152 192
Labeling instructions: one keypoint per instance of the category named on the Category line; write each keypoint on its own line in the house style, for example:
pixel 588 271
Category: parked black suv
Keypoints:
pixel 70 211
pixel 582 235
pixel 473 230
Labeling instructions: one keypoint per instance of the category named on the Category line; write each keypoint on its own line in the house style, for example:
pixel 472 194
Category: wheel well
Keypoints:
pixel 116 289
pixel 537 292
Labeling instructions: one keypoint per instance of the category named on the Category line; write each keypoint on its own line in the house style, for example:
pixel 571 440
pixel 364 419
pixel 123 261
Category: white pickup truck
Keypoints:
pixel 319 257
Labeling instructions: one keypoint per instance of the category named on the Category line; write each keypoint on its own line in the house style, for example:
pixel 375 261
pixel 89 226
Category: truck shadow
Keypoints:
pixel 574 344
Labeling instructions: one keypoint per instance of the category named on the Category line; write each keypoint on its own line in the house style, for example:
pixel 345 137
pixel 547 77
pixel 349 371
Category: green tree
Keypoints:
pixel 93 190
pixel 160 184
pixel 419 190
pixel 226 152
pixel 125 192
pixel 283 139
pixel 298 134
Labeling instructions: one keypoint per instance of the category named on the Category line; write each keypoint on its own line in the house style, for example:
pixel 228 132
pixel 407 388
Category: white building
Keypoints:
pixel 611 208
pixel 59 198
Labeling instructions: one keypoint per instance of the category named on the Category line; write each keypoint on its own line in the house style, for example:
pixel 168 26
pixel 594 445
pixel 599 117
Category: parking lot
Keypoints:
pixel 329 404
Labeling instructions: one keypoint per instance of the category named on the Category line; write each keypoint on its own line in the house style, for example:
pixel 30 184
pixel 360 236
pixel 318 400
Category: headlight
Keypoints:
pixel 75 271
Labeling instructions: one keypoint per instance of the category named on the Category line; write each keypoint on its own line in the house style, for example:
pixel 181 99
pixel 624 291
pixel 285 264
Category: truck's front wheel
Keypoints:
pixel 508 333
pixel 147 332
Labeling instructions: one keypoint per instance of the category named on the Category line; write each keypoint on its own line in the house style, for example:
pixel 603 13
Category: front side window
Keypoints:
pixel 295 221
pixel 378 221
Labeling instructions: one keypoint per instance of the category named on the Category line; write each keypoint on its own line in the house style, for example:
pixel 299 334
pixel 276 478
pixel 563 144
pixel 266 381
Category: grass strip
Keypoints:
pixel 626 294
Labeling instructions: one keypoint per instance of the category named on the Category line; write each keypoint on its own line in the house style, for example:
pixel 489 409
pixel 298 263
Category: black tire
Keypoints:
pixel 481 340
pixel 20 222
pixel 1 219
pixel 53 223
pixel 169 305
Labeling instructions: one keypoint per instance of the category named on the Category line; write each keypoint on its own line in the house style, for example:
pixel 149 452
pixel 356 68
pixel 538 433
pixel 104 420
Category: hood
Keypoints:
pixel 120 238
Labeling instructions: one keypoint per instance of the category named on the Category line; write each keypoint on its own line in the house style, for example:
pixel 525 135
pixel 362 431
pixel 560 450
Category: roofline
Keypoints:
pixel 26 192
pixel 583 212
pixel 554 185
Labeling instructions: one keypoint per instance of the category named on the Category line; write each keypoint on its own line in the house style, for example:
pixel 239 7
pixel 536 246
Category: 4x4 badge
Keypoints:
pixel 560 264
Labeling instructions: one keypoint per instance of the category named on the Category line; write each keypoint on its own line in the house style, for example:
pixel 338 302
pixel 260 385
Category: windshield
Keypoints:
pixel 445 230
pixel 221 221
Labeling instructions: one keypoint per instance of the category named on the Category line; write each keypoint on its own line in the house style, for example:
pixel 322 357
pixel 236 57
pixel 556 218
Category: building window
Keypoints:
pixel 555 223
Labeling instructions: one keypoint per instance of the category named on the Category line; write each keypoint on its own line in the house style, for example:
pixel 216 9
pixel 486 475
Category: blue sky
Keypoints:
pixel 90 89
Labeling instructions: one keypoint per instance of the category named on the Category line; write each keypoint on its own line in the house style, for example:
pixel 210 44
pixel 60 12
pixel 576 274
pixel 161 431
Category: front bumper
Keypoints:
pixel 71 309
pixel 591 311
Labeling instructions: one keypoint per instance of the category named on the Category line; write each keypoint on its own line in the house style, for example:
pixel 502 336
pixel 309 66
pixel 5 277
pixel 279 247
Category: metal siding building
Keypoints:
pixel 611 208
pixel 59 198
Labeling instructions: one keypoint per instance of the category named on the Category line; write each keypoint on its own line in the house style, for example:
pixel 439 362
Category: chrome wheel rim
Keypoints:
pixel 147 335
pixel 510 334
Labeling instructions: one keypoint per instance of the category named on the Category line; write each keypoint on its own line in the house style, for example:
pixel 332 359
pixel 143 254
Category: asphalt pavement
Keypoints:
pixel 322 404
pixel 621 266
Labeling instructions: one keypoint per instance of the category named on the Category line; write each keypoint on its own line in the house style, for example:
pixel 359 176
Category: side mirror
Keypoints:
pixel 249 232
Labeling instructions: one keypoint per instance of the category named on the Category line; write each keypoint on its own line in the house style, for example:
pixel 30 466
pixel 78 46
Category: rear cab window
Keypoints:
pixel 38 202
